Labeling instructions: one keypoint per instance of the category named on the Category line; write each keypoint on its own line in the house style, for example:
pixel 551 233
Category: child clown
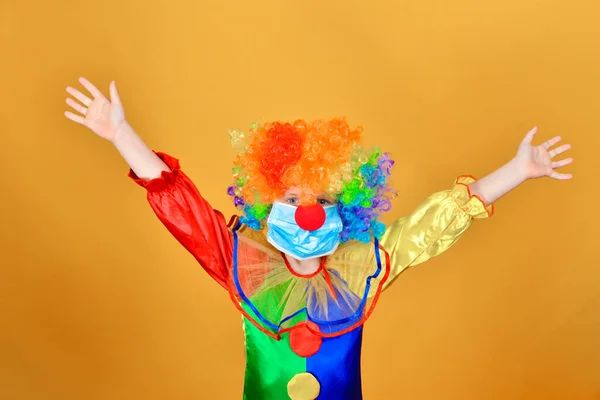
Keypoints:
pixel 308 257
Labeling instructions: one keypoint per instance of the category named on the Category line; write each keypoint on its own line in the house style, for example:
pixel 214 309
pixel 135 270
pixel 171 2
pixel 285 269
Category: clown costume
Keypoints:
pixel 307 258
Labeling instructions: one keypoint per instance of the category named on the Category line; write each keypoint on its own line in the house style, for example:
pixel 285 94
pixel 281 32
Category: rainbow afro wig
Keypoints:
pixel 319 157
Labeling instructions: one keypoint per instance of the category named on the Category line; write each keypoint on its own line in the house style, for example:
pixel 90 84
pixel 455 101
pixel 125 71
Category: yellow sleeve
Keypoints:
pixel 433 227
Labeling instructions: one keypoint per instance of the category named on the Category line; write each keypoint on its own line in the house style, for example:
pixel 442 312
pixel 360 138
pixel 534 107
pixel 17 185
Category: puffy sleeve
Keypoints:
pixel 189 217
pixel 433 227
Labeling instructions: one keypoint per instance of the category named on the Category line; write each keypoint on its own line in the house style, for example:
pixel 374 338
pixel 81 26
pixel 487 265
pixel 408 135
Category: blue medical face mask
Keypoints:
pixel 297 231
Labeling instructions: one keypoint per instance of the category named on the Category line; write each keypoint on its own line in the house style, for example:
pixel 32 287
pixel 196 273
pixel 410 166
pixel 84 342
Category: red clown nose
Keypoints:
pixel 310 218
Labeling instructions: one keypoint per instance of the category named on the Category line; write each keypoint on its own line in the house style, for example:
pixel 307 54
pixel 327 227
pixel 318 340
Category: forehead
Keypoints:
pixel 297 191
pixel 303 191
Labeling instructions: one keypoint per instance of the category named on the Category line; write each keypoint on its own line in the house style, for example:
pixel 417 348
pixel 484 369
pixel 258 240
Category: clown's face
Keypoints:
pixel 304 225
pixel 299 196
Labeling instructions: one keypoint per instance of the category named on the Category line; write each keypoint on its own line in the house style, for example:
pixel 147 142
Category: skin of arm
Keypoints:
pixel 495 185
pixel 137 154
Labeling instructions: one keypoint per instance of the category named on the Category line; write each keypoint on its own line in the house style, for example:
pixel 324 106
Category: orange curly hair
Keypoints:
pixel 313 155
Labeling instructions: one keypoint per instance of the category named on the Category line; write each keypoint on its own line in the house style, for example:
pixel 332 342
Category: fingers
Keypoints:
pixel 92 89
pixel 559 150
pixel 551 142
pixel 76 106
pixel 79 96
pixel 557 164
pixel 114 95
pixel 561 163
pixel 73 117
pixel 530 135
pixel 559 176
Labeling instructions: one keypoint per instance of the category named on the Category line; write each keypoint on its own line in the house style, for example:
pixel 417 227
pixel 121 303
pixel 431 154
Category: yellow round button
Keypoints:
pixel 304 386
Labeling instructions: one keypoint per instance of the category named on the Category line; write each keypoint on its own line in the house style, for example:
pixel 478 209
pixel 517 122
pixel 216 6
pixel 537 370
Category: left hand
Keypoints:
pixel 536 161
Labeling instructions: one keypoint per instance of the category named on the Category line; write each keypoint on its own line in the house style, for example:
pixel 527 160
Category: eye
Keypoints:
pixel 292 201
pixel 324 202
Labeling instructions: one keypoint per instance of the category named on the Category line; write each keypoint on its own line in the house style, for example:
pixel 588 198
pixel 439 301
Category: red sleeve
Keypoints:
pixel 190 219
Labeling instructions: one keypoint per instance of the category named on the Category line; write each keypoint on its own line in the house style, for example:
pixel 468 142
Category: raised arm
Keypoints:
pixel 171 194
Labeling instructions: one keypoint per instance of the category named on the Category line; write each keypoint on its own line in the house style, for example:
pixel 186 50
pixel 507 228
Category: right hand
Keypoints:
pixel 102 116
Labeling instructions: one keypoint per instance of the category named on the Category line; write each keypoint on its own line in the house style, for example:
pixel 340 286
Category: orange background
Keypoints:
pixel 97 301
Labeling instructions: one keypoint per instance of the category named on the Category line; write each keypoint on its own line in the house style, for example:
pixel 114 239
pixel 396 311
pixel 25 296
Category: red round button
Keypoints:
pixel 305 342
pixel 310 218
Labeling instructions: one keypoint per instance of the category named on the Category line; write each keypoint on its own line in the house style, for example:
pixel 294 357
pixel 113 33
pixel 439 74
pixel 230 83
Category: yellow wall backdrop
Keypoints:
pixel 97 301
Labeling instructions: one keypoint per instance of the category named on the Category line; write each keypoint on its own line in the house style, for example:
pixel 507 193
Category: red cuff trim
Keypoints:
pixel 471 196
pixel 165 179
